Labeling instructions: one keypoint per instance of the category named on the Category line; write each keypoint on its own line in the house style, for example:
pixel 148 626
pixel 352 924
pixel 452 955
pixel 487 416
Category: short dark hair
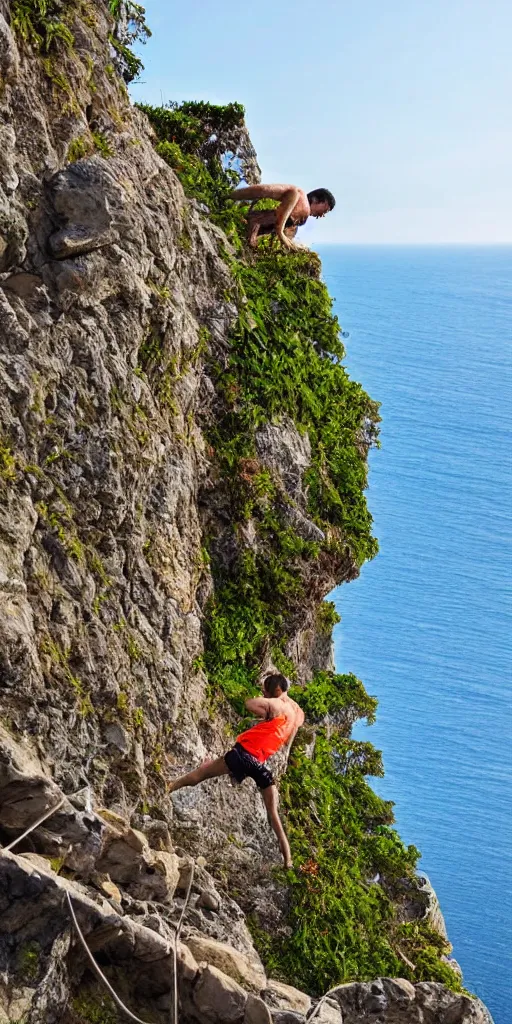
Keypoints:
pixel 274 681
pixel 322 195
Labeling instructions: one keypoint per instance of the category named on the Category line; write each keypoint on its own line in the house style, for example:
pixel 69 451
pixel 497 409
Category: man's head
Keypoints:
pixel 275 685
pixel 321 201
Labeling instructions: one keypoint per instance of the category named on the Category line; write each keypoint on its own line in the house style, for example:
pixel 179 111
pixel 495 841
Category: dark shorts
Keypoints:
pixel 243 765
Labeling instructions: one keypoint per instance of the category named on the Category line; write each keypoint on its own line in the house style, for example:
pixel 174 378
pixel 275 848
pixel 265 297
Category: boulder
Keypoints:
pixel 287 1017
pixel 286 997
pixel 397 1001
pixel 217 998
pixel 329 1013
pixel 187 965
pixel 256 1011
pixel 130 862
pixel 247 971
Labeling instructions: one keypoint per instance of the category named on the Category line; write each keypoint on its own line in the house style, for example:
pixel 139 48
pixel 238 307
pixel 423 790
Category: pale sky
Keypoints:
pixel 401 109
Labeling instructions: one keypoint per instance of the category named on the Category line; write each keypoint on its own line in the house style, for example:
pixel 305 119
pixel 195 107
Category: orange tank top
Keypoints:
pixel 265 738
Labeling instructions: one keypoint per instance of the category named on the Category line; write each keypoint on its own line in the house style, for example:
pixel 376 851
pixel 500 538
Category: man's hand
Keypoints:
pixel 287 242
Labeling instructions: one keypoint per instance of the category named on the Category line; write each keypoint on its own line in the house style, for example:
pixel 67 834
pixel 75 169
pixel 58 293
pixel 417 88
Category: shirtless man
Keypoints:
pixel 281 719
pixel 294 209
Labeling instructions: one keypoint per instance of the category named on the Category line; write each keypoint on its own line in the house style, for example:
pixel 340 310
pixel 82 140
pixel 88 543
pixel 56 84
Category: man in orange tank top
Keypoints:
pixel 281 717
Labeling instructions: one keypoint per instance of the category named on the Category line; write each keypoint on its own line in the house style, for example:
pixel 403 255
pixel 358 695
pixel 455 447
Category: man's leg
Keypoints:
pixel 271 801
pixel 257 220
pixel 207 770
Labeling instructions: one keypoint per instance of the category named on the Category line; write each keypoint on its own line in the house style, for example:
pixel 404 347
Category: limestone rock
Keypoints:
pixel 287 1017
pixel 8 52
pixel 129 861
pixel 188 965
pixel 256 1011
pixel 285 997
pixel 218 998
pixel 329 1013
pixel 397 1001
pixel 248 972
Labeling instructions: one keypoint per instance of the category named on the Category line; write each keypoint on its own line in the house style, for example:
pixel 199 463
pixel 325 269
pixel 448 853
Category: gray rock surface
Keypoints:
pixel 286 997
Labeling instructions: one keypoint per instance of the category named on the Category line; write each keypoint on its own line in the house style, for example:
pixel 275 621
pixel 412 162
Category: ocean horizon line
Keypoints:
pixel 419 245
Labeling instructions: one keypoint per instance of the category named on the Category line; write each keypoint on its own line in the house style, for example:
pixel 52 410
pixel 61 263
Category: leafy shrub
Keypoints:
pixel 339 920
pixel 41 24
pixel 341 697
pixel 209 148
pixel 130 27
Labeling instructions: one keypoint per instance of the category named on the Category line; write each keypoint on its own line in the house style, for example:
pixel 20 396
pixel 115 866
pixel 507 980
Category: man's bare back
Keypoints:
pixel 295 206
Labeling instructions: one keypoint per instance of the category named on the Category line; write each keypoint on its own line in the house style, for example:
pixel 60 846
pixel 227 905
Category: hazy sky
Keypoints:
pixel 402 109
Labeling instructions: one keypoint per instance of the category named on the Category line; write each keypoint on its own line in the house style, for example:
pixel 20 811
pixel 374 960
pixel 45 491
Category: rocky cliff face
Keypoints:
pixel 117 308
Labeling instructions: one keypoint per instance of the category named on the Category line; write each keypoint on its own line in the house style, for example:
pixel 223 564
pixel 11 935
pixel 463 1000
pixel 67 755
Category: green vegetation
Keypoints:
pixel 138 718
pixel 7 463
pixel 59 661
pixel 78 148
pixel 39 24
pixel 203 143
pixel 135 30
pixel 95 1008
pixel 327 618
pixel 341 697
pixel 61 522
pixel 28 961
pixel 102 144
pixel 343 921
pixel 347 892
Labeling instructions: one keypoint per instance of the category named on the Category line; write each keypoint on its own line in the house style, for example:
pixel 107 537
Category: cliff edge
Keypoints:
pixel 182 476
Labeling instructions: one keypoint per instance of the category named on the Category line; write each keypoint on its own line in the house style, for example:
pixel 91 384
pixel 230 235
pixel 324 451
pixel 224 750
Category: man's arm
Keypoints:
pixel 258 706
pixel 284 210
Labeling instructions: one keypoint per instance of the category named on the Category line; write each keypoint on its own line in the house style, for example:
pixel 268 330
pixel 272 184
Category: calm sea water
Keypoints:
pixel 428 626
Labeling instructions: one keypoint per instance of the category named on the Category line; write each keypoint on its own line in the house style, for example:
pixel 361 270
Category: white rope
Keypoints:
pixel 174 1019
pixel 39 821
pixel 94 965
pixel 98 970
pixel 320 1003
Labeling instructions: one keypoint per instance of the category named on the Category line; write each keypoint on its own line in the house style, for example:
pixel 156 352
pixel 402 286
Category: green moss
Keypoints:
pixel 184 242
pixel 102 144
pixel 135 651
pixel 78 148
pixel 61 522
pixel 7 462
pixel 29 957
pixel 59 659
pixel 161 291
pixel 95 1008
pixel 122 701
pixel 138 718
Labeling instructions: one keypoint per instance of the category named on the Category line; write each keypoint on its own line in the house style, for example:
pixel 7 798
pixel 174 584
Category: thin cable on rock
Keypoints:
pixel 174 1019
pixel 98 970
pixel 39 821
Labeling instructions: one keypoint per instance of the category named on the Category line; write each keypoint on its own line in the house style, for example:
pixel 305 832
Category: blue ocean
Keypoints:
pixel 428 625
